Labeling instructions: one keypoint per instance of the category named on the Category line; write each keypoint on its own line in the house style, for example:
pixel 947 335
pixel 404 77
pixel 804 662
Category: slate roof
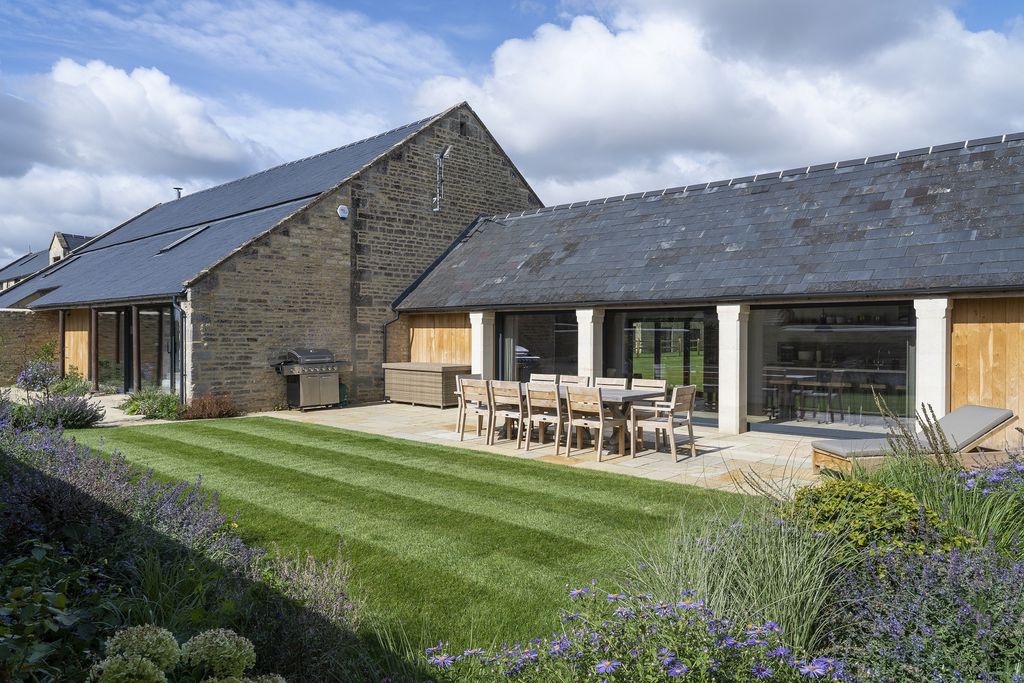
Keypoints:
pixel 24 266
pixel 126 263
pixel 35 261
pixel 941 219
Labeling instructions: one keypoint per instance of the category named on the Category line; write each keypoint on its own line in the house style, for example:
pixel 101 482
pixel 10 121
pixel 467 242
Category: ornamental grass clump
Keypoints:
pixel 756 567
pixel 616 636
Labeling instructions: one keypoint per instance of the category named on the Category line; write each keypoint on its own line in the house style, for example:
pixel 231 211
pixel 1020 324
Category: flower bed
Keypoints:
pixel 108 546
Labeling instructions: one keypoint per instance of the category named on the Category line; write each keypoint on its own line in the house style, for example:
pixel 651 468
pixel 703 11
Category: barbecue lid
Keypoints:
pixel 309 356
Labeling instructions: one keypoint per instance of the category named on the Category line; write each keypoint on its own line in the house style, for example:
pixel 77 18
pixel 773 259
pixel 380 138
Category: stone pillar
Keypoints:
pixel 934 333
pixel 732 368
pixel 590 345
pixel 482 338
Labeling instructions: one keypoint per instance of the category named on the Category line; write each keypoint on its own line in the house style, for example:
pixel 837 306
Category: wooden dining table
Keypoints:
pixel 616 399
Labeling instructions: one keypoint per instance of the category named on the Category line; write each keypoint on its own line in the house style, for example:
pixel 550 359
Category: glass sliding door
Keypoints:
pixel 821 368
pixel 529 343
pixel 680 347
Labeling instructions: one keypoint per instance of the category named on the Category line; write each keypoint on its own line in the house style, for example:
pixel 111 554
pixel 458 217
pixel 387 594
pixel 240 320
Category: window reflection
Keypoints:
pixel 822 367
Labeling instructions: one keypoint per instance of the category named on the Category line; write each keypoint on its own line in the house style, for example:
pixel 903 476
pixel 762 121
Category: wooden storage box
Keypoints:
pixel 423 384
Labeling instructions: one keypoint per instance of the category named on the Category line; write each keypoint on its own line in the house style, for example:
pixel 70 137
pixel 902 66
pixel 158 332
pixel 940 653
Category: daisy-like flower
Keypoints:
pixel 814 669
pixel 607 666
pixel 442 661
pixel 677 670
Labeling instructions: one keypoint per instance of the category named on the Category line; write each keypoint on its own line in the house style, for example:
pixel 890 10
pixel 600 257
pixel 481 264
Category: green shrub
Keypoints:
pixel 153 404
pixel 208 406
pixel 69 412
pixel 72 384
pixel 870 515
pixel 150 642
pixel 219 652
pixel 128 669
pixel 53 609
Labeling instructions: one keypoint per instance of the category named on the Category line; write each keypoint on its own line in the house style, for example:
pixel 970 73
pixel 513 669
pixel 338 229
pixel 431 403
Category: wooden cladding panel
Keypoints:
pixel 440 338
pixel 76 341
pixel 986 358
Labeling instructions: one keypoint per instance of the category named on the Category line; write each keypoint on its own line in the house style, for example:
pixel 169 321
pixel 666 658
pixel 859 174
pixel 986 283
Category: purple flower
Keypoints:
pixel 814 669
pixel 607 666
pixel 761 671
pixel 677 670
pixel 442 661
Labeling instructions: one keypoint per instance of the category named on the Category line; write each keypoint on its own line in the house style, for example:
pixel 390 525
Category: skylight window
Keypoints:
pixel 181 239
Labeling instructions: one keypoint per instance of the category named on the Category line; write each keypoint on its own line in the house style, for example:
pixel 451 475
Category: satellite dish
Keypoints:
pixel 342 211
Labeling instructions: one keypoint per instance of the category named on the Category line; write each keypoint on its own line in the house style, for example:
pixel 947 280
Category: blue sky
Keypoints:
pixel 104 106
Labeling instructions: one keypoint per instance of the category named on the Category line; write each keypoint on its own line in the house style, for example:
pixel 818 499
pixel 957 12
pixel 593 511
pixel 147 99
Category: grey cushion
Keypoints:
pixel 967 424
pixel 852 448
pixel 962 427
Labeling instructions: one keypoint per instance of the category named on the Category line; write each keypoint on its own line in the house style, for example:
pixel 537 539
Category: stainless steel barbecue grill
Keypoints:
pixel 312 377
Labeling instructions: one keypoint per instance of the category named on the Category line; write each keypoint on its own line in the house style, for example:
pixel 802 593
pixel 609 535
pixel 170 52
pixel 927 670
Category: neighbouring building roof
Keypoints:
pixel 940 219
pixel 37 260
pixel 24 266
pixel 132 262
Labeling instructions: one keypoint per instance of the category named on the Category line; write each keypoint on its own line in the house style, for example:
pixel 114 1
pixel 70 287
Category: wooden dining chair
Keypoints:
pixel 537 378
pixel 611 382
pixel 652 384
pixel 460 398
pixel 475 398
pixel 543 407
pixel 507 405
pixel 588 411
pixel 664 417
pixel 574 380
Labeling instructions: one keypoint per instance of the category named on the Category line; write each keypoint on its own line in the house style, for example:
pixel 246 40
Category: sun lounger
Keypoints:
pixel 965 428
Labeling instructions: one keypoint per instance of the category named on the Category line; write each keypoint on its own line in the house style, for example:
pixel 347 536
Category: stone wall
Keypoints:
pixel 398 235
pixel 320 281
pixel 289 288
pixel 22 334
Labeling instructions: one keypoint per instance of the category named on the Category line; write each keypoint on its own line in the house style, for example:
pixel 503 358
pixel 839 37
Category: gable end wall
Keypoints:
pixel 319 281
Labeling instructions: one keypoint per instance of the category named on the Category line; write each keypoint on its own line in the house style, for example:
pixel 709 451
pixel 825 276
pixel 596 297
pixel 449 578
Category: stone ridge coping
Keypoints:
pixel 742 181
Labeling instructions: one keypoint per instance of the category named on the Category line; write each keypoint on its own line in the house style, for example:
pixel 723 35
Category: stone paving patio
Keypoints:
pixel 720 463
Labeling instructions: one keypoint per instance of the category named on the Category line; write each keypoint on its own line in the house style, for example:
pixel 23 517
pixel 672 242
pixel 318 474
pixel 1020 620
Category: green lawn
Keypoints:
pixel 445 543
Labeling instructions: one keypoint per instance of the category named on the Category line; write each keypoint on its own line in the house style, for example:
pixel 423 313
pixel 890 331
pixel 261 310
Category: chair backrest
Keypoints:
pixel 652 384
pixel 611 382
pixel 537 378
pixel 683 398
pixel 506 394
pixel 584 402
pixel 542 397
pixel 475 391
pixel 574 380
pixel 459 378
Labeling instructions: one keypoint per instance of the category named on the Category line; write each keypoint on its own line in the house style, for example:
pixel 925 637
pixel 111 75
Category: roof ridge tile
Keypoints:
pixel 789 173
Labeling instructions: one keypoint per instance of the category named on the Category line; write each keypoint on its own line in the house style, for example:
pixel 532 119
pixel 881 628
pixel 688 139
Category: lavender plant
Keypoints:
pixel 37 376
pixel 945 616
pixel 298 613
pixel 613 636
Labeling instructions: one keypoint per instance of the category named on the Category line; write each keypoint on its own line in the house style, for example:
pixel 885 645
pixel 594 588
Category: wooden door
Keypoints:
pixel 987 359
pixel 76 341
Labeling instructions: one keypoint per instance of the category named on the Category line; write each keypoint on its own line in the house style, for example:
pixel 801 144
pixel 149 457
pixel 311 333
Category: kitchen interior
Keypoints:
pixel 826 368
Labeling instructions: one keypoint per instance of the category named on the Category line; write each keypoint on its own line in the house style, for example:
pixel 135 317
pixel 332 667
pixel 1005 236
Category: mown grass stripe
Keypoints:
pixel 422 567
pixel 539 510
pixel 443 523
pixel 539 475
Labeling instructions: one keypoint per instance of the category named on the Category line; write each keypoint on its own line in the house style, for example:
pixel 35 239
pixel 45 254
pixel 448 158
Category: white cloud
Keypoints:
pixel 662 94
pixel 304 41
pixel 47 199
pixel 94 117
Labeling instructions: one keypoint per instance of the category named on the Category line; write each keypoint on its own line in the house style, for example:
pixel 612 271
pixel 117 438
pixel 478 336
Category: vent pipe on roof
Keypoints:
pixel 178 190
